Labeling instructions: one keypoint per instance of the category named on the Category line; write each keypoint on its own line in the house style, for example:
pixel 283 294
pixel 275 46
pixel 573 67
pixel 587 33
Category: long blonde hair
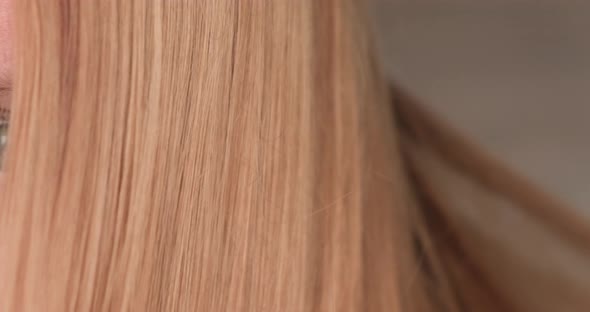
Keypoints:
pixel 216 155
pixel 213 155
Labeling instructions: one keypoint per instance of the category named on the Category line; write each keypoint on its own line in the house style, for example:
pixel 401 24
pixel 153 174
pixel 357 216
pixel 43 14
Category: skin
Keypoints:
pixel 5 61
pixel 5 52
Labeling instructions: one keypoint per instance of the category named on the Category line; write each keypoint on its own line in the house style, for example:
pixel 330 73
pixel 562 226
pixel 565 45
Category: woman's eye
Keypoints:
pixel 4 118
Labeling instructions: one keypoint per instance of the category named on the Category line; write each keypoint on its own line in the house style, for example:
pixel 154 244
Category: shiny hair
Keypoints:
pixel 208 155
pixel 222 155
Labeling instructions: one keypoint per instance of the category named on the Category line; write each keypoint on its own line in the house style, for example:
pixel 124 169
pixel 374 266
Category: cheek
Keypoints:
pixel 5 44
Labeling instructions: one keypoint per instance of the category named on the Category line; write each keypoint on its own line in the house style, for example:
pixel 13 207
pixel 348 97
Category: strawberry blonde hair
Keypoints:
pixel 222 155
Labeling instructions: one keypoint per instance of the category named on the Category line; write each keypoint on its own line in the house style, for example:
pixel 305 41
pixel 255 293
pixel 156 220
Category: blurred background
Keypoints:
pixel 513 75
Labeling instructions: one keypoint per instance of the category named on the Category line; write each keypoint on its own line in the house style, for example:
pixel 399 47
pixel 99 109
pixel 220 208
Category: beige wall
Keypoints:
pixel 514 75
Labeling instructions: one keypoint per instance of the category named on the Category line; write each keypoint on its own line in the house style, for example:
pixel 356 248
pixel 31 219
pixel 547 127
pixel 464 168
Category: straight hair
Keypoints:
pixel 222 155
pixel 213 155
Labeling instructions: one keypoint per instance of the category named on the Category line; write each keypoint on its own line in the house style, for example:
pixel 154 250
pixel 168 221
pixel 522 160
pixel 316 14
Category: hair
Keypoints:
pixel 223 155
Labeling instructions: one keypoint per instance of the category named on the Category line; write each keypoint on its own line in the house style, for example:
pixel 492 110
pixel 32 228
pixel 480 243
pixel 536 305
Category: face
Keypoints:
pixel 5 47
